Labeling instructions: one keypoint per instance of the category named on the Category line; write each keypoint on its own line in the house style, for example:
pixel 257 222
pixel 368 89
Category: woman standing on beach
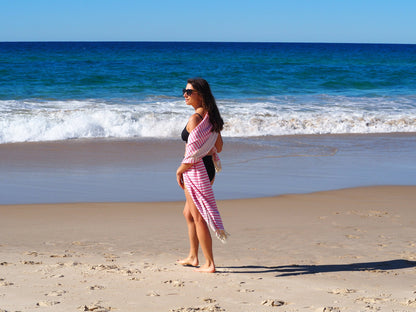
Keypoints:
pixel 197 171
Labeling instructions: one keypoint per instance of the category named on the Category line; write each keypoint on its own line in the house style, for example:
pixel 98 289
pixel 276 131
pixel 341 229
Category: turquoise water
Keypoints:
pixel 67 90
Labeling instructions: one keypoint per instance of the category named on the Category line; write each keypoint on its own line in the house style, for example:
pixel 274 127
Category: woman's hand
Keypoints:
pixel 179 179
pixel 179 174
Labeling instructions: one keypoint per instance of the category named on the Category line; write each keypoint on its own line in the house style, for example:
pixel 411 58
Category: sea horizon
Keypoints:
pixel 209 41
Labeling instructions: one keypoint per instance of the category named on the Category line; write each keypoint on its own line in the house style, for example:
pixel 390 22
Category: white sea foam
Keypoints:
pixel 23 121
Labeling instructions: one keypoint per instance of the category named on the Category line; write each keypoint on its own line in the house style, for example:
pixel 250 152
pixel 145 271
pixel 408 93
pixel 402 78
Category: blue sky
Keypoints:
pixel 367 21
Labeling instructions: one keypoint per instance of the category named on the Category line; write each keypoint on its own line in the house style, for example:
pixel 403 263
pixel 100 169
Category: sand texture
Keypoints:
pixel 346 250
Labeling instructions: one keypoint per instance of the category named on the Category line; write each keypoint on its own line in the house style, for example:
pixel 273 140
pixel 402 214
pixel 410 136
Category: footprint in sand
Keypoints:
pixel 32 253
pixel 96 307
pixel 47 303
pixel 65 255
pixel 72 264
pixel 372 300
pixel 105 267
pixel 153 268
pixel 56 293
pixel 352 236
pixel 152 294
pixel 31 262
pixel 273 303
pixel 134 278
pixel 3 282
pixel 410 303
pixel 244 290
pixel 110 257
pixel 344 291
pixel 377 213
pixel 57 276
pixel 210 308
pixel 78 243
pixel 209 300
pixel 175 283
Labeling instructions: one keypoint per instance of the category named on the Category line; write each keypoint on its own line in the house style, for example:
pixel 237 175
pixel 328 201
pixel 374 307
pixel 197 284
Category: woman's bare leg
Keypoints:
pixel 203 235
pixel 192 258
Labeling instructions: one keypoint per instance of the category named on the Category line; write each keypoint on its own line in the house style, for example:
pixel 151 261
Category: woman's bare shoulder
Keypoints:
pixel 193 122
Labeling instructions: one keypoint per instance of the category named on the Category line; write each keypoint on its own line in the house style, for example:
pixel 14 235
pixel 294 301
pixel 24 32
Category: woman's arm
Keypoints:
pixel 219 143
pixel 193 122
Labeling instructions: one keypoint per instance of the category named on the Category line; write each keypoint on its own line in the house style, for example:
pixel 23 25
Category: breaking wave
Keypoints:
pixel 163 117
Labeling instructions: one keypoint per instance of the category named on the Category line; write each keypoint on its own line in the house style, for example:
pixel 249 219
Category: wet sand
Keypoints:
pixel 144 170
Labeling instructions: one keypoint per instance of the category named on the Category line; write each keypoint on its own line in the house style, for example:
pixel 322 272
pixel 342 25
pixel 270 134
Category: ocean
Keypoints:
pixel 101 121
pixel 70 90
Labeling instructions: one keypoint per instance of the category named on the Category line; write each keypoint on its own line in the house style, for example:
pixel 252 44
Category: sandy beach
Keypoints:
pixel 318 186
pixel 82 229
pixel 345 250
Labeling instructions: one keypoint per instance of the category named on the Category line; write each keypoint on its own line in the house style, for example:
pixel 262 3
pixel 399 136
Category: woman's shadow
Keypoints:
pixel 291 270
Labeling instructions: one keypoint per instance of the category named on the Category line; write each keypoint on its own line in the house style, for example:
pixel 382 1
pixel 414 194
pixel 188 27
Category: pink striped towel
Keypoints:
pixel 201 141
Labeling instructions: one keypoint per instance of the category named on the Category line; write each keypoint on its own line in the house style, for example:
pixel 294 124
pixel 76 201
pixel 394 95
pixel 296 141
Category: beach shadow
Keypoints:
pixel 292 270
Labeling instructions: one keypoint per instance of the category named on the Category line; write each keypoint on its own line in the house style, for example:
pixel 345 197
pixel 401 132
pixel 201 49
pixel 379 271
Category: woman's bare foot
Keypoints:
pixel 188 262
pixel 205 269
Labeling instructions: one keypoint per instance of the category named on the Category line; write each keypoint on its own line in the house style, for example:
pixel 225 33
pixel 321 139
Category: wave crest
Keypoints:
pixel 23 121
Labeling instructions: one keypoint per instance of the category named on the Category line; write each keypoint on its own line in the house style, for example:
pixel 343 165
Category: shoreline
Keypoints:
pixel 351 249
pixel 113 170
pixel 237 138
pixel 182 201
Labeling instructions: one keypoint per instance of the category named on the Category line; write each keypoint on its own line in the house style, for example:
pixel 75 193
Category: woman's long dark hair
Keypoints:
pixel 208 102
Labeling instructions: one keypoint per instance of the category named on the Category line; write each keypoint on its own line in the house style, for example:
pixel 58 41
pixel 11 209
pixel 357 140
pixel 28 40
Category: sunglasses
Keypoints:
pixel 188 91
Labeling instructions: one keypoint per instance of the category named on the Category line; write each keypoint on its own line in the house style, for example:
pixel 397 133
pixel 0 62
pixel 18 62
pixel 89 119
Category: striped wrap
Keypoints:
pixel 201 141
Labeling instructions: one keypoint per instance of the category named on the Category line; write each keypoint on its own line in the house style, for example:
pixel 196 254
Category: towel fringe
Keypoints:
pixel 222 235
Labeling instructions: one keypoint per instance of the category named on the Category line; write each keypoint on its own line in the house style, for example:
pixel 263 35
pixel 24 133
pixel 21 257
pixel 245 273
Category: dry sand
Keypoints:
pixel 346 250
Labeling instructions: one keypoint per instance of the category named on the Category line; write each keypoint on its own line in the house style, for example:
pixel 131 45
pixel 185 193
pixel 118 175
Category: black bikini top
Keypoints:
pixel 185 133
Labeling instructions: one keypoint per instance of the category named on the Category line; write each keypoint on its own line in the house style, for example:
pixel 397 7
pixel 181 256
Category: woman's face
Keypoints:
pixel 194 99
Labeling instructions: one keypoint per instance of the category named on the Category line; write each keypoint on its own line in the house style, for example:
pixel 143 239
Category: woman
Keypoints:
pixel 196 173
